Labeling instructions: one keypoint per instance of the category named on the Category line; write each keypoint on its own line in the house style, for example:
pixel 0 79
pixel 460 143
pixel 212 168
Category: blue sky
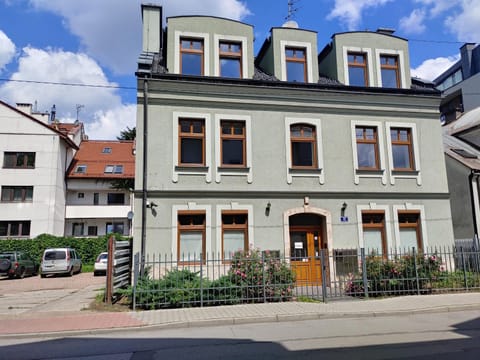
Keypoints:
pixel 97 42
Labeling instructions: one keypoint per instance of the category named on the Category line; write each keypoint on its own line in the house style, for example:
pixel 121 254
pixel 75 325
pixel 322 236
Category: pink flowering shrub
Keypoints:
pixel 261 277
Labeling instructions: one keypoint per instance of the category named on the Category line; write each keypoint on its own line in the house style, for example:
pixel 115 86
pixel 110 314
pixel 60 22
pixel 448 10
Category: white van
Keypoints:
pixel 60 261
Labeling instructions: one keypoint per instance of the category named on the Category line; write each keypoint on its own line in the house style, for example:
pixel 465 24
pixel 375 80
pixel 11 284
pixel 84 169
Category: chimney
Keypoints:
pixel 152 28
pixel 25 107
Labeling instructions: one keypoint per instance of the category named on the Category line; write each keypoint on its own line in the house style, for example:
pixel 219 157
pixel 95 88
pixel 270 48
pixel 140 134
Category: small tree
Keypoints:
pixel 128 134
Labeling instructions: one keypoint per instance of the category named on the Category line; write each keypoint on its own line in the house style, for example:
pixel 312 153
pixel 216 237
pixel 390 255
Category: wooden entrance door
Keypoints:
pixel 305 248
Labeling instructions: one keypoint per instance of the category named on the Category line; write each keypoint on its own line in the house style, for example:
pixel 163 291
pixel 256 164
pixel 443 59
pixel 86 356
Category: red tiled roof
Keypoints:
pixel 92 155
pixel 67 128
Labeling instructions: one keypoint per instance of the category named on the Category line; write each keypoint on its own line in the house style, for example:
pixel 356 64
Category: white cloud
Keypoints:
pixel 107 124
pixel 465 23
pixel 110 30
pixel 7 50
pixel 414 23
pixel 56 66
pixel 350 11
pixel 430 69
pixel 438 6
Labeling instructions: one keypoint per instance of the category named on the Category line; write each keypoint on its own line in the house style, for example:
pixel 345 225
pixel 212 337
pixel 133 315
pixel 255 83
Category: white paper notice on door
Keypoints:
pixel 299 245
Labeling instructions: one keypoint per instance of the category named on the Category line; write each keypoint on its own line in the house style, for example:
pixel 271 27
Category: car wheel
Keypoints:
pixel 21 273
pixel 70 273
pixel 80 269
pixel 43 276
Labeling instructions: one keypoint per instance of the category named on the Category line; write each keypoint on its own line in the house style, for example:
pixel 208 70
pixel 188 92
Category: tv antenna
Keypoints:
pixel 79 107
pixel 291 9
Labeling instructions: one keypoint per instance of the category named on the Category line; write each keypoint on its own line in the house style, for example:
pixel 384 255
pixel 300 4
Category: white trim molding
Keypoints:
pixel 233 206
pixel 381 172
pixel 208 143
pixel 216 53
pixel 297 44
pixel 401 65
pixel 368 51
pixel 319 171
pixel 248 172
pixel 415 173
pixel 423 222
pixel 191 206
pixel 206 50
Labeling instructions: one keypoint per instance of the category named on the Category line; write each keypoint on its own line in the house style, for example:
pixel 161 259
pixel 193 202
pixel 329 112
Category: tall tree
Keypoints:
pixel 128 134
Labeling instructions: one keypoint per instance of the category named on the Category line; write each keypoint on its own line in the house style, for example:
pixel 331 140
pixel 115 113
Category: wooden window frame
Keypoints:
pixel 192 227
pixel 295 59
pixel 193 51
pixel 312 140
pixel 364 140
pixel 17 155
pixel 355 64
pixel 371 225
pixel 417 225
pixel 391 67
pixel 11 193
pixel 191 135
pixel 230 55
pixel 234 226
pixel 395 141
pixel 233 136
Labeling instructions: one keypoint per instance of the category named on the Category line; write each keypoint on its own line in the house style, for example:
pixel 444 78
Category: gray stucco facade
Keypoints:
pixel 269 189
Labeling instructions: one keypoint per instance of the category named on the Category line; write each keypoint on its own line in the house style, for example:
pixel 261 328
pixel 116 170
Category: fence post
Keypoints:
pixel 201 279
pixel 263 278
pixel 465 281
pixel 135 278
pixel 110 270
pixel 364 272
pixel 324 275
pixel 416 270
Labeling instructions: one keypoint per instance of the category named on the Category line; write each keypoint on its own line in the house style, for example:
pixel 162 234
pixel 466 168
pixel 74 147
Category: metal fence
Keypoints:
pixel 260 276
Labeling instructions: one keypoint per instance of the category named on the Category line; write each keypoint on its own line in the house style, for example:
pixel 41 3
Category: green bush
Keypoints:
pixel 87 248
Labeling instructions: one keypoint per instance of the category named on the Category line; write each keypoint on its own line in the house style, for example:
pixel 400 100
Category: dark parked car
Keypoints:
pixel 17 264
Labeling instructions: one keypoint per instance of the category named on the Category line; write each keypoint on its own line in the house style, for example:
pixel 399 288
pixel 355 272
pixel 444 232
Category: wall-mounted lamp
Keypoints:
pixel 151 205
pixel 267 209
pixel 342 210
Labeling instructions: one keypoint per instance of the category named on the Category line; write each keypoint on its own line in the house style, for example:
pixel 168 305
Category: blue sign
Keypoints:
pixel 344 218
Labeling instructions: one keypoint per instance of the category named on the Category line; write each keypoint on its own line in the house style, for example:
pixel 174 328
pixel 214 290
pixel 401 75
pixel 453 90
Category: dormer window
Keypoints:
pixel 230 54
pixel 357 69
pixel 389 70
pixel 81 169
pixel 107 150
pixel 113 169
pixel 296 62
pixel 191 56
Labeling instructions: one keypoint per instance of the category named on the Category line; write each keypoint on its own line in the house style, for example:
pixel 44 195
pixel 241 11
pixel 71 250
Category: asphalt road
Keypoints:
pixel 59 293
pixel 438 336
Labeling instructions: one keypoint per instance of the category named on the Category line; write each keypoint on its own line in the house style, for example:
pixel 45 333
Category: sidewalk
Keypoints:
pixel 61 323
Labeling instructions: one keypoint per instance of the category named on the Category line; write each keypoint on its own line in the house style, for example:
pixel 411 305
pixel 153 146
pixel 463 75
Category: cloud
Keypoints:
pixel 413 24
pixel 350 11
pixel 110 31
pixel 430 69
pixel 7 50
pixel 107 124
pixel 56 66
pixel 465 23
pixel 437 7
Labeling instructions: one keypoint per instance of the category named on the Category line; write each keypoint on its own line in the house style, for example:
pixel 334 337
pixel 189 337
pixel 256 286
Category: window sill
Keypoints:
pixel 405 172
pixel 240 170
pixel 377 172
pixel 304 171
pixel 191 169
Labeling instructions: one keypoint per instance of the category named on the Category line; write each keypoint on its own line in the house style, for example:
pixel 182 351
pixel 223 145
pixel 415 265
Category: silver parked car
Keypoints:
pixel 60 261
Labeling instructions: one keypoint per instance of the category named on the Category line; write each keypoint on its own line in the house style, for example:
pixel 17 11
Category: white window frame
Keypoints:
pixel 192 206
pixel 318 172
pixel 390 241
pixel 368 51
pixel 423 223
pixel 415 173
pixel 176 170
pixel 248 148
pixel 283 62
pixel 235 207
pixel 401 66
pixel 217 38
pixel 206 50
pixel 381 172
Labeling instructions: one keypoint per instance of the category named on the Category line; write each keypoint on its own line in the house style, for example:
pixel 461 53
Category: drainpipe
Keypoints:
pixel 474 195
pixel 144 175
